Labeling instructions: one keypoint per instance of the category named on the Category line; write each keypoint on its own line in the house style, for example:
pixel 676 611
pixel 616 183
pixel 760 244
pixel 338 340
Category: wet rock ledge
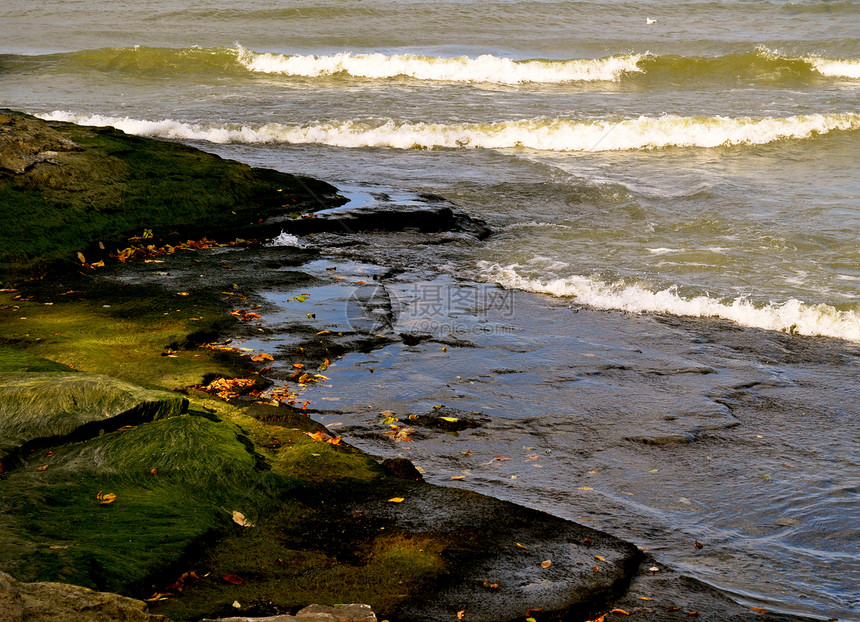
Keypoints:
pixel 142 454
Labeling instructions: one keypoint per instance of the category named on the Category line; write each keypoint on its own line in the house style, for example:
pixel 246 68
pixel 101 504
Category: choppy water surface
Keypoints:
pixel 688 159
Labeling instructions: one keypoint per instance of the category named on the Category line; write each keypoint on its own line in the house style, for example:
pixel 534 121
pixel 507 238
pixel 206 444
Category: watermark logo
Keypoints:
pixel 429 307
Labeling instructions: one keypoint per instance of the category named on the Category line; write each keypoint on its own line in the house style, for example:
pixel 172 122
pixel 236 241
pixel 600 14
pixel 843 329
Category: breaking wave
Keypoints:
pixel 642 133
pixel 651 70
pixel 792 316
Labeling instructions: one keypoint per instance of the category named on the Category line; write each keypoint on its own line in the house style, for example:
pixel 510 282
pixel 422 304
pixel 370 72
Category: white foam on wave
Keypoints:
pixel 539 134
pixel 792 316
pixel 484 68
pixel 836 68
pixel 286 239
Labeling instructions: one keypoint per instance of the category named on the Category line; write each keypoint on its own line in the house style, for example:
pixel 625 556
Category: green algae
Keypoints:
pixel 115 185
pixel 177 482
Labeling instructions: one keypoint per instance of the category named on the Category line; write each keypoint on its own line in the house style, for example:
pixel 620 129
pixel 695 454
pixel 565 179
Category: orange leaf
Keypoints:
pixel 599 558
pixel 520 546
pixel 758 610
pixel 458 477
pixel 461 614
pixel 621 611
pixel 299 365
pixel 108 498
pixel 42 468
pixel 546 564
pixel 231 578
pixel 262 356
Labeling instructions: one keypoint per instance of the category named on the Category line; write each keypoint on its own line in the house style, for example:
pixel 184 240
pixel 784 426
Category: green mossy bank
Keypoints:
pixel 66 188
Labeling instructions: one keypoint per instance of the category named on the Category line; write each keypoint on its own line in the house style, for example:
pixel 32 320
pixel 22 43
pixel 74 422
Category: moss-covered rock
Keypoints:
pixel 64 188
pixel 40 409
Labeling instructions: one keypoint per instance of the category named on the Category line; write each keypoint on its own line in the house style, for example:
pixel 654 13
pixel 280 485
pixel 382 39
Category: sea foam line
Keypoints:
pixel 539 134
pixel 484 68
pixel 793 316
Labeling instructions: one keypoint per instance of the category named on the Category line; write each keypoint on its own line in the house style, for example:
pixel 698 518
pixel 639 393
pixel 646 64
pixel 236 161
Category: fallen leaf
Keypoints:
pixel 108 498
pixel 654 569
pixel 236 604
pixel 324 332
pixel 501 458
pixel 461 614
pixel 42 468
pixel 325 365
pixel 699 544
pixel 262 356
pixel 231 578
pixel 546 564
pixel 520 546
pixel 59 546
pixel 153 471
pixel 673 608
pixel 599 558
pixel 586 488
pixel 81 257
pixel 449 419
pixel 396 500
pixel 621 611
pixel 240 519
pixel 181 293
pixel 491 586
pixel 756 609
pixel 692 613
pixel 645 598
pixel 458 477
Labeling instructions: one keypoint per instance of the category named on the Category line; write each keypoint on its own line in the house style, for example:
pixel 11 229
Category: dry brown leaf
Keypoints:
pixel 240 519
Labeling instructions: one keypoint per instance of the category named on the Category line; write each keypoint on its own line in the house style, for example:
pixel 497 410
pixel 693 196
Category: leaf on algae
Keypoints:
pixel 240 519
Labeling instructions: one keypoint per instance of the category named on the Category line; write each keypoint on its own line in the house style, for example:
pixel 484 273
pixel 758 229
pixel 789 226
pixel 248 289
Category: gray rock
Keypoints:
pixel 58 602
pixel 317 613
pixel 25 142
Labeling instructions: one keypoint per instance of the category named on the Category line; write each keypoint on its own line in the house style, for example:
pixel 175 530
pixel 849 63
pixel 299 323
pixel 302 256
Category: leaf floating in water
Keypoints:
pixel 240 519
pixel 546 564
pixel 449 419
pixel 458 477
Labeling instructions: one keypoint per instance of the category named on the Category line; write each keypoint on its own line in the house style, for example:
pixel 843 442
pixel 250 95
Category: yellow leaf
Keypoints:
pixel 586 488
pixel 240 519
pixel 396 500
pixel 645 598
pixel 108 498
pixel 81 257
pixel 42 468
pixel 324 332
pixel 520 546
pixel 181 293
pixel 600 558
pixel 458 477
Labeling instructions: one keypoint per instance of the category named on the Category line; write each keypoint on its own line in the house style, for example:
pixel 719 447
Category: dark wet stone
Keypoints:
pixel 402 469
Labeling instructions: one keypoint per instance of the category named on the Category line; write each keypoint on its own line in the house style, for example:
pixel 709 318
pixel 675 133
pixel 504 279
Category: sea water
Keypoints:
pixel 696 159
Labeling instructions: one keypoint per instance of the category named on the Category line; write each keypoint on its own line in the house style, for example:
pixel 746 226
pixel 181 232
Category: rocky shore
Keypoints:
pixel 156 439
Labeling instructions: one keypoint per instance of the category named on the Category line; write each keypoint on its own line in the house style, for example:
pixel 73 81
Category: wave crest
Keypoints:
pixel 484 68
pixel 642 133
pixel 792 316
